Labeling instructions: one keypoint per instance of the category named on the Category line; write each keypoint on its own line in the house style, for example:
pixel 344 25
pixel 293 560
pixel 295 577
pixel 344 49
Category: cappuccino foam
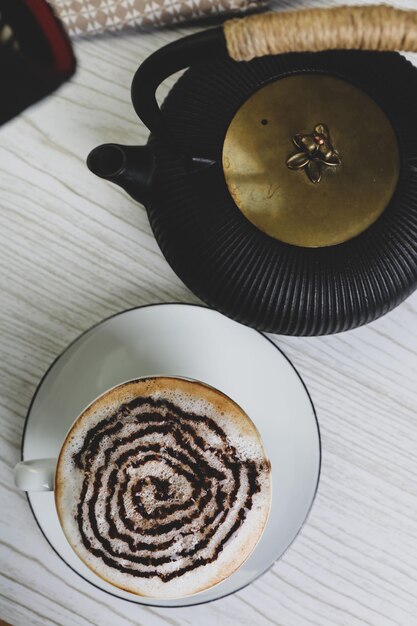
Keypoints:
pixel 163 487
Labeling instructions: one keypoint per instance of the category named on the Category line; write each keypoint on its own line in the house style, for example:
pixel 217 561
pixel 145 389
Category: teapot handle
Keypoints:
pixel 376 27
pixel 171 58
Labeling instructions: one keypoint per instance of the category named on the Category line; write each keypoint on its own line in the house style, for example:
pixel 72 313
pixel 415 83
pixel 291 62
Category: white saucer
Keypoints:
pixel 194 342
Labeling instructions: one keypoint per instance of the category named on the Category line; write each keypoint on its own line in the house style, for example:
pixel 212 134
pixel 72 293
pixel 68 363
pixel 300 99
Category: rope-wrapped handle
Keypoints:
pixel 377 27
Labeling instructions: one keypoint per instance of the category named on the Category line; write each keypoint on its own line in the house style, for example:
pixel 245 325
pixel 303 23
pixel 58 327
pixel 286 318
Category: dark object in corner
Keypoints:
pixel 35 55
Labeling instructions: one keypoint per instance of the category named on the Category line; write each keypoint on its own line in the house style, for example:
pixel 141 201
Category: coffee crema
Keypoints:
pixel 163 487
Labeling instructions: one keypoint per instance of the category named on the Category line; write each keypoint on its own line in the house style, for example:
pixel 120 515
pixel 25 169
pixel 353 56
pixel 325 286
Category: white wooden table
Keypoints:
pixel 75 249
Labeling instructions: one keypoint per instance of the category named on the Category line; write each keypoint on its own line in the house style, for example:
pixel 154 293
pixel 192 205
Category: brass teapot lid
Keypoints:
pixel 311 160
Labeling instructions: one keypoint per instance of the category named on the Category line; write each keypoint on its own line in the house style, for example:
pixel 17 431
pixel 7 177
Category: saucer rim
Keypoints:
pixel 313 499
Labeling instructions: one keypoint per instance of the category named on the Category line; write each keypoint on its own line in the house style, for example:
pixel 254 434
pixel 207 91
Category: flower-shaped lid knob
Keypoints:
pixel 314 151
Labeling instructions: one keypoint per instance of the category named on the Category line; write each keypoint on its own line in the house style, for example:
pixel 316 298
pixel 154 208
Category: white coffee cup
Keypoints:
pixel 181 442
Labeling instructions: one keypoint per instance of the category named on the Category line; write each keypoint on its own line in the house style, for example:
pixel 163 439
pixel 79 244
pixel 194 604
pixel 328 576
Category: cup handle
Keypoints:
pixel 35 475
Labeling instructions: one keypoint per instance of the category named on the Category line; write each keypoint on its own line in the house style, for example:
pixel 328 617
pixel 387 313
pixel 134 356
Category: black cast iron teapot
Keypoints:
pixel 282 189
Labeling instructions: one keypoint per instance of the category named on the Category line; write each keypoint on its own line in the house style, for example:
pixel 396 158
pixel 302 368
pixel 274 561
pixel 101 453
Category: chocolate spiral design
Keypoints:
pixel 162 491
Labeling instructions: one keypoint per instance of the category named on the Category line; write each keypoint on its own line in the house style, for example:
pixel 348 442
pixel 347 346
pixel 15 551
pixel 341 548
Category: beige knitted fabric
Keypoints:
pixel 94 16
pixel 378 27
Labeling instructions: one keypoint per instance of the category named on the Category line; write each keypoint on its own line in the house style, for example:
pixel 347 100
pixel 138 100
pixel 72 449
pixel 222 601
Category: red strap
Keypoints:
pixel 55 34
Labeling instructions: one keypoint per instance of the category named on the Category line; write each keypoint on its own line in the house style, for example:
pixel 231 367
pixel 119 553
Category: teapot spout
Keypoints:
pixel 128 166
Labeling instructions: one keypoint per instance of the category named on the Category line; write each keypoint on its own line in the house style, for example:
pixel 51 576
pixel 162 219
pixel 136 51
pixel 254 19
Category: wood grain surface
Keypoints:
pixel 73 250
